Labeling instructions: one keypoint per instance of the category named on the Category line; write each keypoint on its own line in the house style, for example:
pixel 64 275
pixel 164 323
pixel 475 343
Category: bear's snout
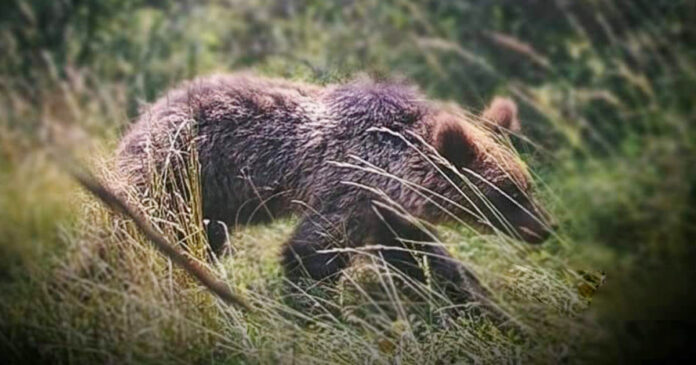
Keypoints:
pixel 535 226
pixel 522 219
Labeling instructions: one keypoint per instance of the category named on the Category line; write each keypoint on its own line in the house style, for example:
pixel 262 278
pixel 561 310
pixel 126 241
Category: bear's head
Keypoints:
pixel 494 186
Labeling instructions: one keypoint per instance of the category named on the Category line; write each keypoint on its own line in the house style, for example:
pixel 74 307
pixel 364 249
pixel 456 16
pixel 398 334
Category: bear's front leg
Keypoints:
pixel 302 256
pixel 409 244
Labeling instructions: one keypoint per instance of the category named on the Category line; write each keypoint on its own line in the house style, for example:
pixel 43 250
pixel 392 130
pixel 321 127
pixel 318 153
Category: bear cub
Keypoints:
pixel 364 162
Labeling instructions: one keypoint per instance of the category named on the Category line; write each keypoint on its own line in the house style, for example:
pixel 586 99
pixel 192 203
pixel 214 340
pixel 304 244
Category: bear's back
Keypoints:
pixel 257 138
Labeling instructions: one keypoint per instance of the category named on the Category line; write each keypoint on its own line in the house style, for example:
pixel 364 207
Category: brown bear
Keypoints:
pixel 360 162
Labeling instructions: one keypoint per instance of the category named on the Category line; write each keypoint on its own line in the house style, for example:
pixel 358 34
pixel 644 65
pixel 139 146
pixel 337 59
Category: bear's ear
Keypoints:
pixel 503 113
pixel 453 143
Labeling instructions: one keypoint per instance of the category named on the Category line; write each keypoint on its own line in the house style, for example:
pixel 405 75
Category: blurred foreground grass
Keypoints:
pixel 606 95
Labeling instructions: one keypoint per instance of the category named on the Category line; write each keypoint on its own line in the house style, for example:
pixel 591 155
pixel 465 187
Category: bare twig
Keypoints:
pixel 91 184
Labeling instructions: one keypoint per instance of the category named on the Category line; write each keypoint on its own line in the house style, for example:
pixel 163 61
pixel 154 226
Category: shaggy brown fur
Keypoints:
pixel 357 162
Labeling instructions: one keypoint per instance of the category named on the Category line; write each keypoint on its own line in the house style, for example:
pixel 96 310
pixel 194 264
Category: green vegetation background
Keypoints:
pixel 606 90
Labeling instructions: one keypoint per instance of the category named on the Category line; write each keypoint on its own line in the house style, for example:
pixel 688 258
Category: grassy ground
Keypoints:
pixel 607 105
pixel 104 293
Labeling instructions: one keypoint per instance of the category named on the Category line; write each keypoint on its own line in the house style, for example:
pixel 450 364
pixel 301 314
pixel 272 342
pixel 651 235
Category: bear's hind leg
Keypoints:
pixel 218 236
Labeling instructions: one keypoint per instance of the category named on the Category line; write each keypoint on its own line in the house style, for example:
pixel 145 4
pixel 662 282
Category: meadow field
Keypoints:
pixel 607 98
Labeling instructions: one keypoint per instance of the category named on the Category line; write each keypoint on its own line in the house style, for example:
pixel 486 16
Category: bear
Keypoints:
pixel 359 162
